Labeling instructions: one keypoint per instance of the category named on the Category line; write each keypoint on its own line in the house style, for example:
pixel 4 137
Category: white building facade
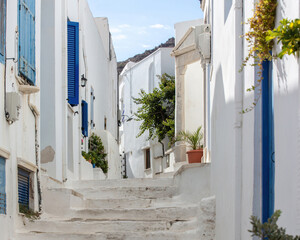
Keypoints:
pixel 19 115
pixel 235 140
pixel 76 47
pixel 143 157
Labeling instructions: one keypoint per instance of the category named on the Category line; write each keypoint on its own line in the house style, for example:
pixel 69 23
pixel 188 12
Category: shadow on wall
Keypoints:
pixel 227 7
pixel 129 172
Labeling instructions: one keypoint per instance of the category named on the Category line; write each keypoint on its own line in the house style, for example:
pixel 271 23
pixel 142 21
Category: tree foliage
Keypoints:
pixel 288 33
pixel 270 230
pixel 157 110
pixel 96 153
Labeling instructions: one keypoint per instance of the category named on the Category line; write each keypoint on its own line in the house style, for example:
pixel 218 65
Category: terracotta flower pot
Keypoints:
pixel 195 156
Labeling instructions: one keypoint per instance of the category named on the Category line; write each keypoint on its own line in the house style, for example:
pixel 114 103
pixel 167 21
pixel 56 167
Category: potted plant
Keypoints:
pixel 194 140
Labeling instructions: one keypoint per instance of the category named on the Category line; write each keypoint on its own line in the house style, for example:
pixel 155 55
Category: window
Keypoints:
pixel 27 40
pixel 2 187
pixel 73 63
pixel 23 187
pixel 105 123
pixel 147 159
pixel 2 30
pixel 85 126
pixel 92 108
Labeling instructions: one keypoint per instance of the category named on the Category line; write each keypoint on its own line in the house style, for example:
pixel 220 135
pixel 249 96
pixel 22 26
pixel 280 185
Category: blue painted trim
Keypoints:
pixel 268 155
pixel 26 44
pixel 2 186
pixel 3 37
pixel 73 63
pixel 85 123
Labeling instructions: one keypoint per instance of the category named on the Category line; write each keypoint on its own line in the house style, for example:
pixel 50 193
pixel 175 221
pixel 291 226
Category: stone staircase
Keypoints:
pixel 119 210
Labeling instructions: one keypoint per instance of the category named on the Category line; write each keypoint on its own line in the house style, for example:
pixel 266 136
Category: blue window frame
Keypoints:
pixel 85 124
pixel 23 187
pixel 92 108
pixel 2 187
pixel 2 30
pixel 73 63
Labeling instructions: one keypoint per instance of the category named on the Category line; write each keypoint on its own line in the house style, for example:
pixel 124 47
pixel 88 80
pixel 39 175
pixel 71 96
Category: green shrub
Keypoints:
pixel 96 153
pixel 270 230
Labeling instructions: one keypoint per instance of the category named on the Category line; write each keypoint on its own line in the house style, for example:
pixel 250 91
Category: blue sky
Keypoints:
pixel 138 25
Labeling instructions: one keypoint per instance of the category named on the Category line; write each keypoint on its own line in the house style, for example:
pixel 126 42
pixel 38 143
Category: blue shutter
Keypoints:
pixel 85 124
pixel 2 30
pixel 2 187
pixel 73 63
pixel 23 187
pixel 92 108
pixel 27 40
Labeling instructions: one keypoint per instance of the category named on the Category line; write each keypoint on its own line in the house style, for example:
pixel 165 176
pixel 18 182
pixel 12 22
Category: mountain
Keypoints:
pixel 139 57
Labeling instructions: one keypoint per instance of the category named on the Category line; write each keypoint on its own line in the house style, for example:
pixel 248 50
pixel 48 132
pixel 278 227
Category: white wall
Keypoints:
pixel 132 80
pixel 59 157
pixel 17 140
pixel 236 138
pixel 182 27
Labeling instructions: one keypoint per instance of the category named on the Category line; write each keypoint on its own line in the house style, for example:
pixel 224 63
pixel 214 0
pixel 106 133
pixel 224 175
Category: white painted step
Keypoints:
pixel 88 227
pixel 126 192
pixel 138 214
pixel 137 182
pixel 159 235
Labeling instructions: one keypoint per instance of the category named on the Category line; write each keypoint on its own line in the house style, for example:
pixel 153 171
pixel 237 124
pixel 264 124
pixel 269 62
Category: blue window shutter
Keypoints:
pixel 27 40
pixel 73 63
pixel 2 187
pixel 92 108
pixel 23 187
pixel 2 30
pixel 85 120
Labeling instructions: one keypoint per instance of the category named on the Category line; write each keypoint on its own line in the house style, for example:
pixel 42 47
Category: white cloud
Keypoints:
pixel 124 26
pixel 119 37
pixel 159 26
pixel 115 30
pixel 146 46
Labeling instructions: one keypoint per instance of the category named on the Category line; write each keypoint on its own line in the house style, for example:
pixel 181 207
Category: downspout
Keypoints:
pixel 37 150
pixel 239 106
pixel 268 154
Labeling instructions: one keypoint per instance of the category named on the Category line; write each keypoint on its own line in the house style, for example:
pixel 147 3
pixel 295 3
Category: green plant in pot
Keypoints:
pixel 193 139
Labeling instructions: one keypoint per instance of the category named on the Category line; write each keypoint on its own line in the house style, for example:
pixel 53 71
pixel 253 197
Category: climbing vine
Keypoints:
pixel 260 48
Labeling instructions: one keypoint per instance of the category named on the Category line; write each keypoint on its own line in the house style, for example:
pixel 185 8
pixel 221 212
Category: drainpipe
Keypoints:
pixel 239 105
pixel 268 154
pixel 37 150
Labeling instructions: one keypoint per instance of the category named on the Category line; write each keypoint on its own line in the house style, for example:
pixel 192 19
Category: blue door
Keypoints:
pixel 23 187
pixel 2 187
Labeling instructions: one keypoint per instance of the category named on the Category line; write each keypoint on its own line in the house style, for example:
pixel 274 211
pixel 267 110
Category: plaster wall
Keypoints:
pixel 182 27
pixel 62 140
pixel 236 138
pixel 132 80
pixel 18 139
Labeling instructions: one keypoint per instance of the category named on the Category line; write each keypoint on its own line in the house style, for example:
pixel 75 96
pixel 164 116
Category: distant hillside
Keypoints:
pixel 139 57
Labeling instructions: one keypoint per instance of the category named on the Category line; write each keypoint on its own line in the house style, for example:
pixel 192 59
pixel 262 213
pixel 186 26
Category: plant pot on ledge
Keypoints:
pixel 195 156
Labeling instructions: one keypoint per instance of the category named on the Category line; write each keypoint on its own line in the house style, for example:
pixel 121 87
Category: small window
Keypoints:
pixel 2 187
pixel 92 108
pixel 105 123
pixel 23 188
pixel 147 159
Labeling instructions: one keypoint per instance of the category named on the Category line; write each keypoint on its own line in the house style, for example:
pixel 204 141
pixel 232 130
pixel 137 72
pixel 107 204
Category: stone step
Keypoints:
pixel 159 235
pixel 137 182
pixel 139 214
pixel 120 203
pixel 93 227
pixel 127 192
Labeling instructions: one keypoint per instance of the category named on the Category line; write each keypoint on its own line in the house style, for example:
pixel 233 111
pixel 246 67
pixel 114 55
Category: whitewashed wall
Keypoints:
pixel 61 137
pixel 235 137
pixel 132 80
pixel 17 141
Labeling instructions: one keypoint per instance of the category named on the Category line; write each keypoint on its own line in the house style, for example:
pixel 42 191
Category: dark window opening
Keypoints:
pixel 147 158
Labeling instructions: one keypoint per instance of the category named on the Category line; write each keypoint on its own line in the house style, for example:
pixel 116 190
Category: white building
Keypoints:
pixel 236 141
pixel 143 158
pixel 76 46
pixel 19 115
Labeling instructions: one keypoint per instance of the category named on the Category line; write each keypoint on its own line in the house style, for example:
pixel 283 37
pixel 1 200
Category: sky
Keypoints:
pixel 138 25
